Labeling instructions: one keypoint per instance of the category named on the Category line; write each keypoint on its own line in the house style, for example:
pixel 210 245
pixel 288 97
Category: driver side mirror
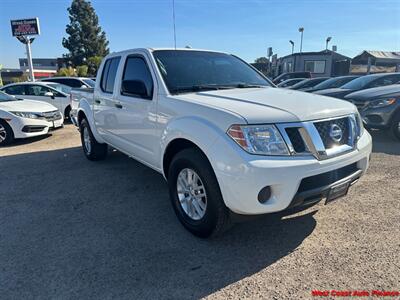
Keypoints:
pixel 49 94
pixel 136 88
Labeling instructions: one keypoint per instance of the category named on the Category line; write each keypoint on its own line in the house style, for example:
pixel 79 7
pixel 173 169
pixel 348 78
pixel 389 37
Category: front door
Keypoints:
pixel 136 114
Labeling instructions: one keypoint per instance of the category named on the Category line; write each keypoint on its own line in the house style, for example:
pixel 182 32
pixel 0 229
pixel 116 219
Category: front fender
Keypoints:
pixel 86 108
pixel 192 128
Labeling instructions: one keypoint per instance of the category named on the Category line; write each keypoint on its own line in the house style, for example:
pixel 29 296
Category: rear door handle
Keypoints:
pixel 97 101
pixel 118 105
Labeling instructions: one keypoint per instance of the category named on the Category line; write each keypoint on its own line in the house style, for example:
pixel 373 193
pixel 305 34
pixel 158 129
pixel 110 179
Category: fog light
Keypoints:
pixel 265 194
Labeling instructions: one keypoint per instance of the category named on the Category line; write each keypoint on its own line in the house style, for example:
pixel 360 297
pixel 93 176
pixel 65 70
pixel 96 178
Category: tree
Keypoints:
pixel 82 71
pixel 93 64
pixel 261 60
pixel 86 38
pixel 66 72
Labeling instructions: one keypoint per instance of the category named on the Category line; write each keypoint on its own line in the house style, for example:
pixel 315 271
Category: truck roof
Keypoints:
pixel 156 49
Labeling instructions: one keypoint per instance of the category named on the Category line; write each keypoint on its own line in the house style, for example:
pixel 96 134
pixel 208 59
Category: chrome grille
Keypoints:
pixel 324 128
pixel 297 141
pixel 321 138
pixel 51 115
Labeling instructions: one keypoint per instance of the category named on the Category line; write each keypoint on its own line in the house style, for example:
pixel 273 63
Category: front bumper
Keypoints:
pixel 379 117
pixel 241 176
pixel 25 128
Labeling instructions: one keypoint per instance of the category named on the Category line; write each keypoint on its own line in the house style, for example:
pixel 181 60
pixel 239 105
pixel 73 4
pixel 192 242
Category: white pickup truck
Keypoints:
pixel 224 137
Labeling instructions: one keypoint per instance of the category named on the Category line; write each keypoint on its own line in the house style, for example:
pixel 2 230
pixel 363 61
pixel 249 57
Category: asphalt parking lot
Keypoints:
pixel 71 228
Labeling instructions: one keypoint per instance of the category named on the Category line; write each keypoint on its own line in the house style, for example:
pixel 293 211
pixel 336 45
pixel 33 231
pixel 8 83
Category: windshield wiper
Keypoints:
pixel 247 86
pixel 200 87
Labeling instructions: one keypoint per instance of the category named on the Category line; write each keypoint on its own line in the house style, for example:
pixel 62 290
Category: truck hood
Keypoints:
pixel 272 105
pixel 27 106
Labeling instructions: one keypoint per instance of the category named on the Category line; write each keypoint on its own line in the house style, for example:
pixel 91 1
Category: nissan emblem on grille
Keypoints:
pixel 335 133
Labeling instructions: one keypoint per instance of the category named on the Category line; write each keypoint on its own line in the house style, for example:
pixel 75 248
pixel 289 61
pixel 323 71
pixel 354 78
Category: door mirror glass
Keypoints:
pixel 134 88
pixel 83 86
pixel 49 94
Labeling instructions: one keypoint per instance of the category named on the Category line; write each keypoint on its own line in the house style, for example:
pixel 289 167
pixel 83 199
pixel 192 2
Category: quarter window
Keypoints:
pixel 109 74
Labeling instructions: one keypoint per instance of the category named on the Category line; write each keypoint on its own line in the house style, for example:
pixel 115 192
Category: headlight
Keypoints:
pixel 259 139
pixel 23 114
pixel 360 125
pixel 382 103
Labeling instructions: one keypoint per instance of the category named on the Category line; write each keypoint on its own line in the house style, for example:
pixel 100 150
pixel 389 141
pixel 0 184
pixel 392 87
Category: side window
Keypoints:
pixel 109 74
pixel 136 69
pixel 15 90
pixel 36 90
pixel 386 80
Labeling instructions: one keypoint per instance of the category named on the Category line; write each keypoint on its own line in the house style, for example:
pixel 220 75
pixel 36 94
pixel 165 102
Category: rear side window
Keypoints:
pixel 109 74
pixel 136 69
pixel 15 90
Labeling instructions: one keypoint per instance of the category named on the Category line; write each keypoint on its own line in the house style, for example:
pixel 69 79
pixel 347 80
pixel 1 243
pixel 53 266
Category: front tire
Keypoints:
pixel 396 126
pixel 91 148
pixel 6 133
pixel 195 194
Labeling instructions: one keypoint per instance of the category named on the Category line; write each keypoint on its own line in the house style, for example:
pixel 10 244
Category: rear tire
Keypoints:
pixel 91 148
pixel 67 112
pixel 6 133
pixel 197 202
pixel 396 126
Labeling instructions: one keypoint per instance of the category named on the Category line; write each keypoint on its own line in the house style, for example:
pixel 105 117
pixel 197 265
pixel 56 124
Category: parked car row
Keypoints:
pixel 29 109
pixel 377 96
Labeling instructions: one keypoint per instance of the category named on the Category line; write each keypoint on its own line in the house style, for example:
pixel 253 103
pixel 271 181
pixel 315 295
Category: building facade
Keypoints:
pixel 324 63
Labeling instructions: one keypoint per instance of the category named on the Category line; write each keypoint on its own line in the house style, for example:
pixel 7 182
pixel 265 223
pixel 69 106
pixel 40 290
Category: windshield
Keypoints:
pixel 333 82
pixel 60 87
pixel 89 82
pixel 188 71
pixel 5 97
pixel 358 83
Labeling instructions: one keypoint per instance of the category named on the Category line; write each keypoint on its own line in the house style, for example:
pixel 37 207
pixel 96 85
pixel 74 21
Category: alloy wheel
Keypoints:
pixel 3 133
pixel 86 140
pixel 191 194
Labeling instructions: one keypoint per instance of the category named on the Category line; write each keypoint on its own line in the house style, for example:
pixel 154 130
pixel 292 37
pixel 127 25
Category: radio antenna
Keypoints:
pixel 173 17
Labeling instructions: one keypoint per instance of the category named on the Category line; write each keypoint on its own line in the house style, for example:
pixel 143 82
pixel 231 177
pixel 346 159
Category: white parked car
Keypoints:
pixel 26 118
pixel 73 82
pixel 224 137
pixel 54 93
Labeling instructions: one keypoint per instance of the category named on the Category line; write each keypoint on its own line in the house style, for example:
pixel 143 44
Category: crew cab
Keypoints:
pixel 225 138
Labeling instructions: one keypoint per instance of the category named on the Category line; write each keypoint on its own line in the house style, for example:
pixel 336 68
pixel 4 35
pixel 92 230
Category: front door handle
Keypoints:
pixel 118 105
pixel 97 101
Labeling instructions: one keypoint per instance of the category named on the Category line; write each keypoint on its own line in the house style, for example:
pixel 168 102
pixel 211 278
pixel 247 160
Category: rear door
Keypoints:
pixel 104 104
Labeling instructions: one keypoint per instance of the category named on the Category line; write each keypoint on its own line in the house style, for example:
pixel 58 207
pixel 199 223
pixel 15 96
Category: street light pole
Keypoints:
pixel 301 30
pixel 328 39
pixel 292 43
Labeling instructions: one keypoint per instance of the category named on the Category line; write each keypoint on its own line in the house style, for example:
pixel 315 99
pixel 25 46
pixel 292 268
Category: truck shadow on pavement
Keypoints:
pixel 71 228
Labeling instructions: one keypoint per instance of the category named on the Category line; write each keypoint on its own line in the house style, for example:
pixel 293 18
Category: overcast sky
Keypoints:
pixel 245 28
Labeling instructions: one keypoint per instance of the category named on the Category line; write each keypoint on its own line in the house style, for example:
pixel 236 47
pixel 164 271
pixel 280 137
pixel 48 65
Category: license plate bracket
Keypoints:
pixel 337 191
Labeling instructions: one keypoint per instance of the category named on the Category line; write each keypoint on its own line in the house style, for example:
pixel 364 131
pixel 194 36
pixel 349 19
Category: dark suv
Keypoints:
pixel 379 107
